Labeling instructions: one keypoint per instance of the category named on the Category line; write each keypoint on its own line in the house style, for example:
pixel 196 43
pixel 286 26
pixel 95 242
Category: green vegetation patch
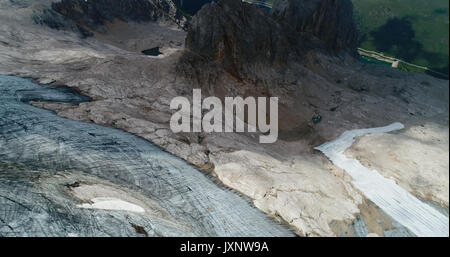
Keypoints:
pixel 416 31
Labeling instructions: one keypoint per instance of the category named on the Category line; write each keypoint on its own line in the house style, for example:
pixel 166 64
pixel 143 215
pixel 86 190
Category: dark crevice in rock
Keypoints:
pixel 152 51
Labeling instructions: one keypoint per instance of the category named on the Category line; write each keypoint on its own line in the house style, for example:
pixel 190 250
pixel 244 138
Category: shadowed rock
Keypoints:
pixel 239 36
pixel 87 16
pixel 329 20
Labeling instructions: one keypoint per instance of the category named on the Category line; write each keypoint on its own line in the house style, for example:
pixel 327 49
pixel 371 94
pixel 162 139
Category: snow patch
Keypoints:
pixel 109 203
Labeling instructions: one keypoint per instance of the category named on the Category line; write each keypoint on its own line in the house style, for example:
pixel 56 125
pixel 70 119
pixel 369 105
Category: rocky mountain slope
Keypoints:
pixel 91 16
pixel 301 52
pixel 270 41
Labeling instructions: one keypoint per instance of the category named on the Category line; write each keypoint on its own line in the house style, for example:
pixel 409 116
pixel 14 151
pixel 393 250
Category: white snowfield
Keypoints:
pixel 109 203
pixel 419 217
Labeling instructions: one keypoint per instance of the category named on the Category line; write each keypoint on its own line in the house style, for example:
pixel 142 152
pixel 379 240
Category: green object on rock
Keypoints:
pixel 316 119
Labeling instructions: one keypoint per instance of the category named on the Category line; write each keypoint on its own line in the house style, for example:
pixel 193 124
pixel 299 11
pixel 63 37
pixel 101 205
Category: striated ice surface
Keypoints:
pixel 60 177
pixel 419 217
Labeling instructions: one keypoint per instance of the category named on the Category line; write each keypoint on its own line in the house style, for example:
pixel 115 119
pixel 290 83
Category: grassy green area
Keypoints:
pixel 416 31
pixel 406 67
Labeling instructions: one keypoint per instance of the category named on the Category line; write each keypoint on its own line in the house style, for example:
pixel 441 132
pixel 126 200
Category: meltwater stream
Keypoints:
pixel 420 218
pixel 60 177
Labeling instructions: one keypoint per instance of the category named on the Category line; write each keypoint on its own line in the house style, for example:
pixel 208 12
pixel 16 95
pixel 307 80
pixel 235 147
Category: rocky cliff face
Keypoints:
pixel 238 35
pixel 236 48
pixel 244 40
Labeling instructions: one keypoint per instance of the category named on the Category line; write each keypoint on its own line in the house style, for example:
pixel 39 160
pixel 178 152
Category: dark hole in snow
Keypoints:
pixel 152 51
